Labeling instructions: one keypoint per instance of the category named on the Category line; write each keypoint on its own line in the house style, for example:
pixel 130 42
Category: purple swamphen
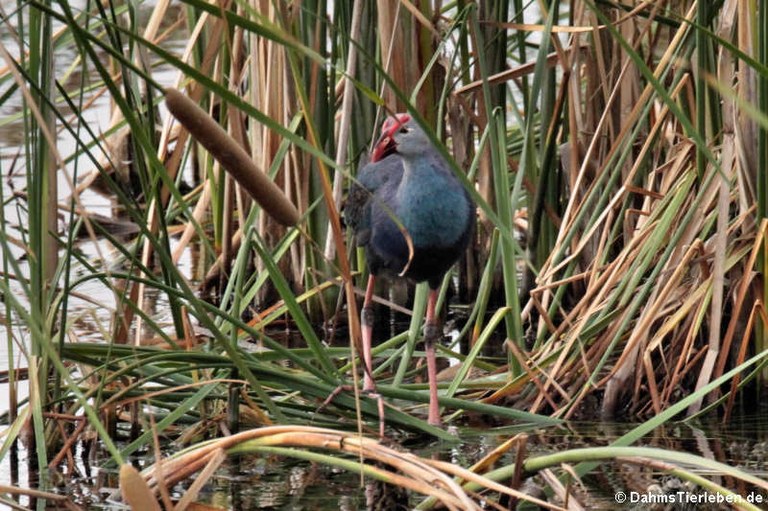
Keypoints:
pixel 414 219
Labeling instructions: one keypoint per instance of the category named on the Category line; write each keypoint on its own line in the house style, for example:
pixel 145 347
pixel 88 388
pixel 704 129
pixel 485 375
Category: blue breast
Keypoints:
pixel 420 197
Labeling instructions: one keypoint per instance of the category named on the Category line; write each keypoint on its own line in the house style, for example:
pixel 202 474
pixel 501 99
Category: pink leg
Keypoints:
pixel 366 322
pixel 431 334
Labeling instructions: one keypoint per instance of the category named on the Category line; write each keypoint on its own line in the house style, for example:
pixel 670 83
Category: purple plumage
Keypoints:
pixel 410 194
pixel 415 220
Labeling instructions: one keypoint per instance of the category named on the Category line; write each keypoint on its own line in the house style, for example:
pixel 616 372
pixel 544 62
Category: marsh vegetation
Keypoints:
pixel 616 152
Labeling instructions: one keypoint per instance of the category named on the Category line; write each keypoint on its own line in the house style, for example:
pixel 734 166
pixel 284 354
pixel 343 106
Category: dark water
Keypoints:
pixel 286 484
pixel 256 483
pixel 271 482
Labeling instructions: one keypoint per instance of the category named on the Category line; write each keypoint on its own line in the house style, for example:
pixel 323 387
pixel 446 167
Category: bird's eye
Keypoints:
pixel 403 129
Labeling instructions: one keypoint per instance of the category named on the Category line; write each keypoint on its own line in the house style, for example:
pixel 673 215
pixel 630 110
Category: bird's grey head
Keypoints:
pixel 410 139
pixel 400 134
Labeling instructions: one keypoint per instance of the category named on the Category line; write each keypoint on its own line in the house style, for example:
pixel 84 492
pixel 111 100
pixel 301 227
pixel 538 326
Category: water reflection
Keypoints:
pixel 272 482
pixel 91 304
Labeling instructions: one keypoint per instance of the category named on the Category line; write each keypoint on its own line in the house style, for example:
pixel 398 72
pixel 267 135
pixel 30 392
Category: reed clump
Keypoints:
pixel 613 151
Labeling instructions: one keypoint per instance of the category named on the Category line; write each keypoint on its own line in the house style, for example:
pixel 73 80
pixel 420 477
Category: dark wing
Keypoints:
pixel 371 177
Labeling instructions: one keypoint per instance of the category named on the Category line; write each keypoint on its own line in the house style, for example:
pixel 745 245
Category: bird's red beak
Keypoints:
pixel 386 145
